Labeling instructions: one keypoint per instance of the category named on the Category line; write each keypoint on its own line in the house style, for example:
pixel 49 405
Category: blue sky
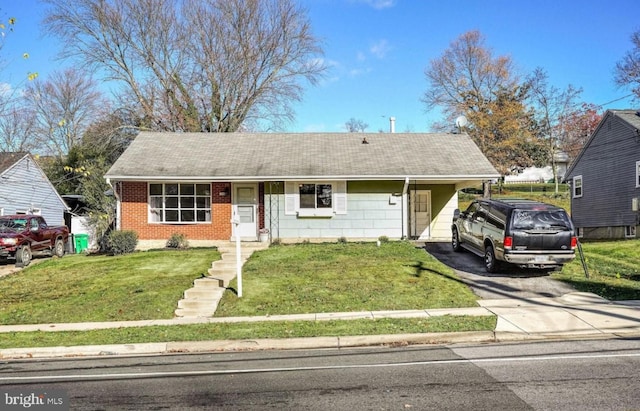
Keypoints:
pixel 377 51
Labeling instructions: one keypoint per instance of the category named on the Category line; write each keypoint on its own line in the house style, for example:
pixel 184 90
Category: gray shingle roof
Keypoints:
pixel 281 156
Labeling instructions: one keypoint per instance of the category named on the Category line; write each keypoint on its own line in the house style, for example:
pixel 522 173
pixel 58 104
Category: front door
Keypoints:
pixel 245 208
pixel 421 214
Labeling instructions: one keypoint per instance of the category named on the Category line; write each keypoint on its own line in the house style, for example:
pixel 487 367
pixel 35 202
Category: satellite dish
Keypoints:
pixel 461 121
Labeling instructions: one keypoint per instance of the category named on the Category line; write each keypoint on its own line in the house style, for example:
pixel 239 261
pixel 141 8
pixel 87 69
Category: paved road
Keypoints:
pixel 511 282
pixel 568 375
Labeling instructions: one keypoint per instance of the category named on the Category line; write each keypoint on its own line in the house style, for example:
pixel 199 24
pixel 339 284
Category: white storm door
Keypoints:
pixel 421 214
pixel 245 207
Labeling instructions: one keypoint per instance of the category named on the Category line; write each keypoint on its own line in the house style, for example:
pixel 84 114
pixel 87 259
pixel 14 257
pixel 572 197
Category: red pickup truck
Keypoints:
pixel 21 235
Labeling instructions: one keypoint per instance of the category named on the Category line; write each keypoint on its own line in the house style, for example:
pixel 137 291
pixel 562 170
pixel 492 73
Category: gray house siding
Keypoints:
pixel 370 214
pixel 607 165
pixel 24 187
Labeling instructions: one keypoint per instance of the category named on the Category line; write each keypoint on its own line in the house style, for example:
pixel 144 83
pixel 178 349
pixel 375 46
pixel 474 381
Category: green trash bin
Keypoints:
pixel 81 242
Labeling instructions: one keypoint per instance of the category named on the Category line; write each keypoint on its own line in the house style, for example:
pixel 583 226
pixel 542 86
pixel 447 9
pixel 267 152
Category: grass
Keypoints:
pixel 79 288
pixel 247 330
pixel 281 280
pixel 308 278
pixel 613 267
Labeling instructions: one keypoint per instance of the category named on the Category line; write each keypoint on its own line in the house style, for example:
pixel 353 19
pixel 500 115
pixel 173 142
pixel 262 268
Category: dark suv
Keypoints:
pixel 521 232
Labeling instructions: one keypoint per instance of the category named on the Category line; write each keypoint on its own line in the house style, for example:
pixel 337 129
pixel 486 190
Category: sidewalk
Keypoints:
pixel 574 315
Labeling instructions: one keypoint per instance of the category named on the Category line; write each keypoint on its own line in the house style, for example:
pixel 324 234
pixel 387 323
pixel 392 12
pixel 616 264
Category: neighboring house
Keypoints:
pixel 25 189
pixel 605 179
pixel 296 186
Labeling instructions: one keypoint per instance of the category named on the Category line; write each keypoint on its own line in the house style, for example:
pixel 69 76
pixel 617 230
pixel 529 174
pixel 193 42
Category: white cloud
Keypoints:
pixel 379 4
pixel 380 48
pixel 359 71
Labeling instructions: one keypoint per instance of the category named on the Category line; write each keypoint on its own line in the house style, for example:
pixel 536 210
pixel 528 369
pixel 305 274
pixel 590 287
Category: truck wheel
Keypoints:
pixel 455 240
pixel 23 256
pixel 490 263
pixel 58 248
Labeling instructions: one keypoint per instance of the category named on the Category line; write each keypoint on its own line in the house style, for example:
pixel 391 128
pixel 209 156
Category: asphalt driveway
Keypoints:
pixel 510 282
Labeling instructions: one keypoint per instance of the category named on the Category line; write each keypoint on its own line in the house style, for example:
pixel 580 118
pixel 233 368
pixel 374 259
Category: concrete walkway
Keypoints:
pixel 573 315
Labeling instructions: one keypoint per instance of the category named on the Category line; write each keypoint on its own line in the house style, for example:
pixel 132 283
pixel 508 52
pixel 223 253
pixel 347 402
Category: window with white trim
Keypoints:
pixel 577 186
pixel 315 199
pixel 179 203
pixel 315 195
pixel 630 231
pixel 637 174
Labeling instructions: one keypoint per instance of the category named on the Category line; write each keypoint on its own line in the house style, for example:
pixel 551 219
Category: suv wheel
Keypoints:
pixel 490 263
pixel 455 240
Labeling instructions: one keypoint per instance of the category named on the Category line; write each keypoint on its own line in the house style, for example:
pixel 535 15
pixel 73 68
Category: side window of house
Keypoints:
pixel 577 186
pixel 637 174
pixel 179 203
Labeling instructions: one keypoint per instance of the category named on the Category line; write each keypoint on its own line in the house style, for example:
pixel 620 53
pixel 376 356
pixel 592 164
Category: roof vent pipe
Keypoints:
pixel 392 124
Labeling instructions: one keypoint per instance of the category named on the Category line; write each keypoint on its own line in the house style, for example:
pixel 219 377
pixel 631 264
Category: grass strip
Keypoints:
pixel 248 330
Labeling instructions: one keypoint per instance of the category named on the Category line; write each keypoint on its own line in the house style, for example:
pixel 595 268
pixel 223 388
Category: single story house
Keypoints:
pixel 25 189
pixel 294 186
pixel 605 179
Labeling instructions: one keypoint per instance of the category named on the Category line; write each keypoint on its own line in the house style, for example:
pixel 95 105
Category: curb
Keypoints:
pixel 192 347
pixel 247 345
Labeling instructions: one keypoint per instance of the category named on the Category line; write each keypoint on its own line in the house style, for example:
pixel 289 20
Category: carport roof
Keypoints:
pixel 289 156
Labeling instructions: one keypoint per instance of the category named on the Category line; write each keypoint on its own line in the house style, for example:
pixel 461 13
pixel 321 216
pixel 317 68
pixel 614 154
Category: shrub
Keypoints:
pixel 122 242
pixel 383 239
pixel 342 240
pixel 177 240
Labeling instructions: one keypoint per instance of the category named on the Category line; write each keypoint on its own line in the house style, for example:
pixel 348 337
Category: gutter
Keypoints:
pixel 225 179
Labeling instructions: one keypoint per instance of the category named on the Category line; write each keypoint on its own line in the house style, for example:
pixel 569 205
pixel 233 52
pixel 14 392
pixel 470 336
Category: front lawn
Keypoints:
pixel 78 288
pixel 339 277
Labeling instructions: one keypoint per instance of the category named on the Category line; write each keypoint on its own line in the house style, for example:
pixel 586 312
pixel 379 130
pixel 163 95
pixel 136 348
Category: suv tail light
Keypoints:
pixel 574 242
pixel 508 243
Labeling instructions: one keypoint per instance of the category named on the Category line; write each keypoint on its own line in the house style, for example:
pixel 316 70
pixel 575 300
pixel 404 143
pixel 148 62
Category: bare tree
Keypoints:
pixel 627 71
pixel 63 108
pixel 195 65
pixel 553 107
pixel 355 125
pixel 467 76
pixel 16 127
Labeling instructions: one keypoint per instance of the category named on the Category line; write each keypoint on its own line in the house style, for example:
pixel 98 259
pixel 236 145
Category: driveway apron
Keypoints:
pixel 510 282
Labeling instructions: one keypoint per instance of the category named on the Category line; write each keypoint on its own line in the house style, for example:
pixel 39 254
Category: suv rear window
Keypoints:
pixel 544 219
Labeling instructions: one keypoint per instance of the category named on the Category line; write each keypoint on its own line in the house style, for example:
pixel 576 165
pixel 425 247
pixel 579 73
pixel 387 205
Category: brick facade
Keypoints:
pixel 135 215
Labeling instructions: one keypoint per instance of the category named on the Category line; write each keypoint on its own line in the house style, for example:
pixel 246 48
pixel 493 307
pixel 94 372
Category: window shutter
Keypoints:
pixel 290 198
pixel 340 197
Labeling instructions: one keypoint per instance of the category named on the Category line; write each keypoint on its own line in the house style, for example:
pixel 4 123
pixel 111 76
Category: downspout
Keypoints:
pixel 405 209
pixel 115 186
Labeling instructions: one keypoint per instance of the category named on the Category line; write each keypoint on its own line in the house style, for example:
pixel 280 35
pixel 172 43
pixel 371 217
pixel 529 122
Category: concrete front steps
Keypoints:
pixel 202 299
